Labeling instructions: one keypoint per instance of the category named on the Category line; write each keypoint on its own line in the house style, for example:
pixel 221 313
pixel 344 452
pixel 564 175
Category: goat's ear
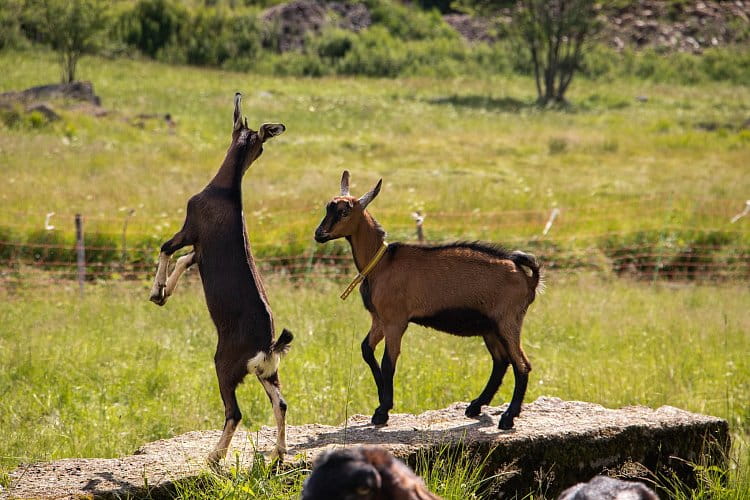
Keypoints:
pixel 370 195
pixel 268 130
pixel 345 183
pixel 237 111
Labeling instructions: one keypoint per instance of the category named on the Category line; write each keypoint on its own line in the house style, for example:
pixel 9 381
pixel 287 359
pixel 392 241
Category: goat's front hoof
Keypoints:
pixel 380 417
pixel 506 422
pixel 473 410
pixel 277 455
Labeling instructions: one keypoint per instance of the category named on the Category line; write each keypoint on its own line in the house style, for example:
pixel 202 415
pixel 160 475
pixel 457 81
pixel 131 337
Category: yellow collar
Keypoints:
pixel 367 270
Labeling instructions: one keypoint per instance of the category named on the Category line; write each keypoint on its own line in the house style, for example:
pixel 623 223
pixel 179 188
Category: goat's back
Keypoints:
pixel 425 279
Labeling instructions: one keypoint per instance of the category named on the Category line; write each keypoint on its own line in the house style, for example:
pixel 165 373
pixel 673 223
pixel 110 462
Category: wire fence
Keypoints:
pixel 41 249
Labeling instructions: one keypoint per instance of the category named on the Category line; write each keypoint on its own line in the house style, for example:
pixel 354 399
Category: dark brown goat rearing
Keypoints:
pixel 466 289
pixel 215 227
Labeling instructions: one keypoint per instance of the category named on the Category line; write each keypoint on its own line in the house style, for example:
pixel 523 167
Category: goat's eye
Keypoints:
pixel 363 490
pixel 345 212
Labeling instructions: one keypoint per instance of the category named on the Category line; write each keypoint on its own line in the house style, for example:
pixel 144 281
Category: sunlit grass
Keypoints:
pixel 454 145
pixel 101 375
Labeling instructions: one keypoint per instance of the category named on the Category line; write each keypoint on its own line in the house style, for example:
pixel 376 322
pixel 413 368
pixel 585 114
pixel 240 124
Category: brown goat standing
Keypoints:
pixel 466 289
pixel 215 227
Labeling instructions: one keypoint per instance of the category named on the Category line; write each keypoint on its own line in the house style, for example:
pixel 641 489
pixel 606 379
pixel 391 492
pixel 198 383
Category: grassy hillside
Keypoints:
pixel 458 149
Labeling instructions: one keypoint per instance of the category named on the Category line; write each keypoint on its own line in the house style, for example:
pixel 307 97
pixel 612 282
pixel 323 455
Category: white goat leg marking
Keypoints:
pixel 223 445
pixel 160 280
pixel 182 264
pixel 275 395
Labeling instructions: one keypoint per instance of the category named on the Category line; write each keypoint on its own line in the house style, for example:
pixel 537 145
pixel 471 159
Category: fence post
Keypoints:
pixel 80 253
pixel 744 212
pixel 124 256
pixel 419 219
pixel 552 216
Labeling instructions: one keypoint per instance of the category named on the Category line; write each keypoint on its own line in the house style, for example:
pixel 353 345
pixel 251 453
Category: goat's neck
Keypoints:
pixel 366 241
pixel 230 173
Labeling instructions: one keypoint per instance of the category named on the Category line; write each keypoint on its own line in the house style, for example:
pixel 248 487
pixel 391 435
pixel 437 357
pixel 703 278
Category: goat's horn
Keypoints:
pixel 370 195
pixel 345 183
pixel 237 111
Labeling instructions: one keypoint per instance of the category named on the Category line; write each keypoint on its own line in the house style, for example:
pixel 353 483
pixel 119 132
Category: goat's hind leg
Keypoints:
pixel 499 367
pixel 230 375
pixel 272 387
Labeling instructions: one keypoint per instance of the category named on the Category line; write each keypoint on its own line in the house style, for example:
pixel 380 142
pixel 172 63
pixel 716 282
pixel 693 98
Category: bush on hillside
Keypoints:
pixel 408 23
pixel 402 41
pixel 10 26
pixel 151 25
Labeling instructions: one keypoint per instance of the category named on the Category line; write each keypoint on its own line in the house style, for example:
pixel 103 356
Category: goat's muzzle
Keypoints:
pixel 321 236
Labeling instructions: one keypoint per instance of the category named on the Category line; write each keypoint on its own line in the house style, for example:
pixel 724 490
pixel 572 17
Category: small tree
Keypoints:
pixel 71 28
pixel 555 32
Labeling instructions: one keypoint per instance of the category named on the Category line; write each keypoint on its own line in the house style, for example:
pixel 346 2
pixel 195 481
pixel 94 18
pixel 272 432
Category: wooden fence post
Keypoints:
pixel 419 220
pixel 80 253
pixel 124 256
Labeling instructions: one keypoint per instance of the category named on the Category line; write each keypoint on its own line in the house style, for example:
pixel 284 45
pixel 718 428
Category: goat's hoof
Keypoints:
pixel 506 422
pixel 473 410
pixel 277 455
pixel 380 417
pixel 214 458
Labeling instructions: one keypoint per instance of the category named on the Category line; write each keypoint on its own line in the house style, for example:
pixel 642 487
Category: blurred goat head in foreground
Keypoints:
pixel 363 473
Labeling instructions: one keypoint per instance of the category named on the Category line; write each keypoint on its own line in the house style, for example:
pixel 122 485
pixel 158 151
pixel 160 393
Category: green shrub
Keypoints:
pixel 11 117
pixel 203 39
pixel 333 44
pixel 152 24
pixel 725 64
pixel 10 26
pixel 408 23
pixel 375 53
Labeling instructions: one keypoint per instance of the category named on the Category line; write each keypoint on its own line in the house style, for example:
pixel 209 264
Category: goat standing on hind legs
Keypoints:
pixel 235 296
pixel 466 289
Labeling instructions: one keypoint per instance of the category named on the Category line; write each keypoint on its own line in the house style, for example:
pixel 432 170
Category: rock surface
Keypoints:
pixel 79 91
pixel 294 21
pixel 665 25
pixel 557 443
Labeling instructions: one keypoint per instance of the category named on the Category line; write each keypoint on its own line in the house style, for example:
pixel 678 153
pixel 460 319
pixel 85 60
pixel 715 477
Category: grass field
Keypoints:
pixel 453 148
pixel 102 375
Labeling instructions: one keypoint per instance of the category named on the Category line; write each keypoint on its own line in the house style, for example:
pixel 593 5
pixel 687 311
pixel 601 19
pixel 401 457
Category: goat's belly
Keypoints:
pixel 233 296
pixel 462 321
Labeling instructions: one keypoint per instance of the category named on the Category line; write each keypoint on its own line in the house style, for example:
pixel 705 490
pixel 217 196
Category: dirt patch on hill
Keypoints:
pixel 294 21
pixel 683 26
pixel 689 26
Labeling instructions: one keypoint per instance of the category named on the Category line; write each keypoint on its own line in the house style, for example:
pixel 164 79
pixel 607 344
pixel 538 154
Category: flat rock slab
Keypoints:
pixel 555 442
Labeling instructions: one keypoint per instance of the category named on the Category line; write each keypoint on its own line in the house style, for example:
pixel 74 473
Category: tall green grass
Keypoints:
pixel 458 149
pixel 100 375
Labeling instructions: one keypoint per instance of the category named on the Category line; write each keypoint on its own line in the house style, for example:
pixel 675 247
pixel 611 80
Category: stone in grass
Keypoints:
pixel 554 445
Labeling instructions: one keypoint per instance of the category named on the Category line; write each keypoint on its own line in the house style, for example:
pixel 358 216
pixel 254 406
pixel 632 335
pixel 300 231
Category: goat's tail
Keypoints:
pixel 265 364
pixel 282 344
pixel 529 264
